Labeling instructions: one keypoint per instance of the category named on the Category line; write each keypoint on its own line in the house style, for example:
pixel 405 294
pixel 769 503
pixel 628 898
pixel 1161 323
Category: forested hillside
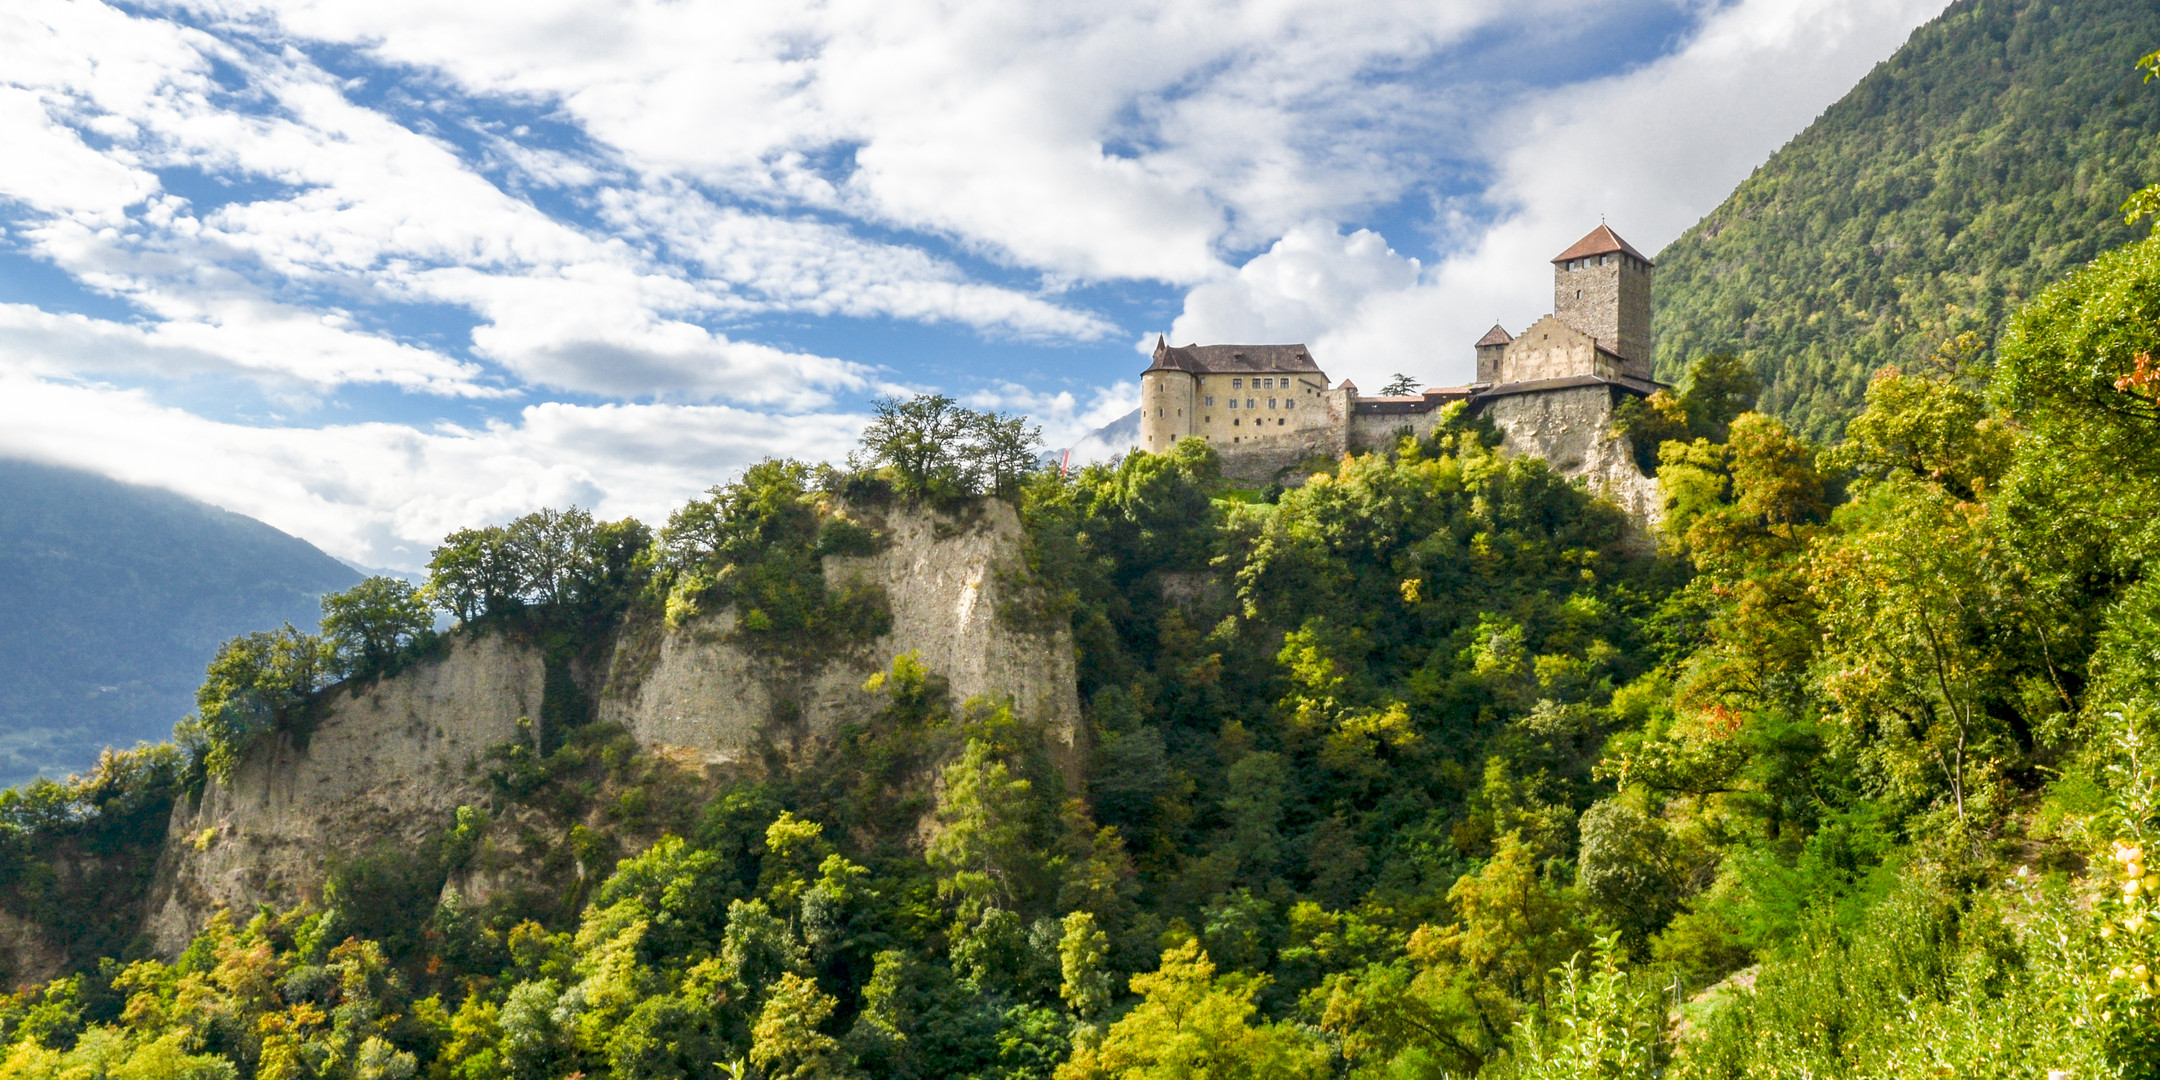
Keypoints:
pixel 113 597
pixel 1428 767
pixel 1422 769
pixel 1979 164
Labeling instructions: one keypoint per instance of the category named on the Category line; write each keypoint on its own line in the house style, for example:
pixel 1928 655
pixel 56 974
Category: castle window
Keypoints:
pixel 1248 403
pixel 1289 403
pixel 1237 384
pixel 1233 403
pixel 1211 402
pixel 1235 421
pixel 1267 384
pixel 1271 403
pixel 1158 412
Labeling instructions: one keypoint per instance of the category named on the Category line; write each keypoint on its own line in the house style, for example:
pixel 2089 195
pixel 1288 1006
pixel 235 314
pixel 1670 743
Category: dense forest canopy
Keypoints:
pixel 1978 165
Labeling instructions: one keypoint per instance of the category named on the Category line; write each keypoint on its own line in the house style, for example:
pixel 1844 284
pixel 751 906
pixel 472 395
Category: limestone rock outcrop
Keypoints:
pixel 389 759
pixel 702 700
pixel 393 759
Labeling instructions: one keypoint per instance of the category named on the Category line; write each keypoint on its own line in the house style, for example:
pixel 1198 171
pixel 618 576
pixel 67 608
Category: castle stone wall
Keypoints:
pixel 1166 404
pixel 1553 349
pixel 1277 421
pixel 1608 298
pixel 1572 430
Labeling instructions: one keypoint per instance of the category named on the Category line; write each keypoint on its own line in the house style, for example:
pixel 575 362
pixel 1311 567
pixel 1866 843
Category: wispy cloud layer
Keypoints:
pixel 483 257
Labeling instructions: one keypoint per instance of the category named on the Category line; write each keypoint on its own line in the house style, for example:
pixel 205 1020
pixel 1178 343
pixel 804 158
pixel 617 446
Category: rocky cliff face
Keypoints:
pixel 396 758
pixel 692 696
pixel 389 759
pixel 1572 430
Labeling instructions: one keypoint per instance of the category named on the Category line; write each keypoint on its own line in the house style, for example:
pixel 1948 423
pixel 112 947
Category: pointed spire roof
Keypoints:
pixel 1498 335
pixel 1601 241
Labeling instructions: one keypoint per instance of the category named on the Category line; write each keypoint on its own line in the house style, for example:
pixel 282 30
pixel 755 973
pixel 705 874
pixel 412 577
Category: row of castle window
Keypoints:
pixel 1602 260
pixel 1259 384
pixel 1287 403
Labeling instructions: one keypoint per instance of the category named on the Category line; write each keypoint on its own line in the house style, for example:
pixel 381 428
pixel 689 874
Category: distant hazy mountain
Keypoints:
pixel 1114 439
pixel 1976 166
pixel 113 598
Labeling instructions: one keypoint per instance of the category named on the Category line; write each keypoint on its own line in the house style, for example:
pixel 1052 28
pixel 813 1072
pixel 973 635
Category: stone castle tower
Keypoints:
pixel 1601 286
pixel 1270 411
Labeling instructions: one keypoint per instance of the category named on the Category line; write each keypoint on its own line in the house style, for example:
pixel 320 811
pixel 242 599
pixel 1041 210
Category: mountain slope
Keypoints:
pixel 113 597
pixel 1977 165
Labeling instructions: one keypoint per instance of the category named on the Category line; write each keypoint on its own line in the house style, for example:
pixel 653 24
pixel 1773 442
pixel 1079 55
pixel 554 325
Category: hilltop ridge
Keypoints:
pixel 1981 162
pixel 114 596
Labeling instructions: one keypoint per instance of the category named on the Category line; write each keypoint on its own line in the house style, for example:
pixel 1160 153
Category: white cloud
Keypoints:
pixel 234 336
pixel 811 267
pixel 383 494
pixel 1063 419
pixel 357 210
pixel 1652 150
pixel 49 166
pixel 1310 283
pixel 1117 139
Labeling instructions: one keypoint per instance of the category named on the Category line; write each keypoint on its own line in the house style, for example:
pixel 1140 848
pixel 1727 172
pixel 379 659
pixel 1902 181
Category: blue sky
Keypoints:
pixel 373 270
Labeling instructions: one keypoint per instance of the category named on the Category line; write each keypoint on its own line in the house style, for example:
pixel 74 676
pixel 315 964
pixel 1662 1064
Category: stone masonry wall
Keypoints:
pixel 1572 430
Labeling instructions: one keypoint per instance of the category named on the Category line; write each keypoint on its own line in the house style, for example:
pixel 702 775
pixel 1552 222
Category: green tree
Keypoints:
pixel 1085 987
pixel 1625 869
pixel 256 684
pixel 1603 1024
pixel 919 439
pixel 1191 1025
pixel 985 849
pixel 1719 387
pixel 367 626
pixel 474 573
pixel 999 453
pixel 788 1043
pixel 934 445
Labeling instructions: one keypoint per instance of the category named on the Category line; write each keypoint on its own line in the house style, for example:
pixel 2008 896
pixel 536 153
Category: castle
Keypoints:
pixel 1551 390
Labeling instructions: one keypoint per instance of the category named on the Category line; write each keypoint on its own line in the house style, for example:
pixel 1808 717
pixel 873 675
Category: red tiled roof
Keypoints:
pixel 1208 359
pixel 1601 241
pixel 1495 336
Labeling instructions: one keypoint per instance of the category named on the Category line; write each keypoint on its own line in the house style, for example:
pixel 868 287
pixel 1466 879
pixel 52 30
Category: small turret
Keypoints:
pixel 1489 350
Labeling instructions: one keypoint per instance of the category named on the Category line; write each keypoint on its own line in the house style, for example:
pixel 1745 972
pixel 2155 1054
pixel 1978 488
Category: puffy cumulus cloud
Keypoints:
pixel 1315 285
pixel 382 494
pixel 49 167
pixel 1064 420
pixel 1651 150
pixel 765 261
